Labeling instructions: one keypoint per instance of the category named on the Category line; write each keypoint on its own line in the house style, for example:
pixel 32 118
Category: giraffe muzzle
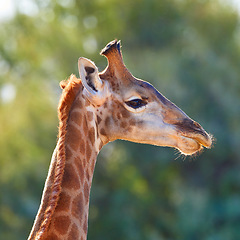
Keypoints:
pixel 193 135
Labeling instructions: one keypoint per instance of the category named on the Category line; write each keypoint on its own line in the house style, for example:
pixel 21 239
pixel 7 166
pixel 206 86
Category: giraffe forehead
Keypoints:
pixel 124 88
pixel 118 83
pixel 135 89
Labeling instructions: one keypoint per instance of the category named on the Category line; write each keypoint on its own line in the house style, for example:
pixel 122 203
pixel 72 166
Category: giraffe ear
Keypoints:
pixel 91 81
pixel 88 72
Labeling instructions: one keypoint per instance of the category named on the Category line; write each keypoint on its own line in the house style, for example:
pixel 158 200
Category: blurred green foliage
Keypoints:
pixel 190 50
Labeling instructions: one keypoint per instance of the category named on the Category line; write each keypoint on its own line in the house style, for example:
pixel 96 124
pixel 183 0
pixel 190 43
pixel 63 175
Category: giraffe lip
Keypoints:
pixel 193 142
pixel 194 131
pixel 206 142
pixel 202 138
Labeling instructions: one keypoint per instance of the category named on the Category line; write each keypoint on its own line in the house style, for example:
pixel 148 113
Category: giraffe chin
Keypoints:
pixel 190 146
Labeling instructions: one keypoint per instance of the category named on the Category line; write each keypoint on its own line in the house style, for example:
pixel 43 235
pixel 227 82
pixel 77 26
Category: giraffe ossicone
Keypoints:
pixel 93 110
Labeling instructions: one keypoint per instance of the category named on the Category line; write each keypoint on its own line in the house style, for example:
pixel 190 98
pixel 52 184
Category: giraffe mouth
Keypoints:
pixel 193 142
pixel 191 137
pixel 205 141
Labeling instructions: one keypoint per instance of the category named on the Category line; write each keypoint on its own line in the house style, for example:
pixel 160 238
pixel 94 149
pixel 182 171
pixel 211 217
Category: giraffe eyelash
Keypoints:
pixel 136 104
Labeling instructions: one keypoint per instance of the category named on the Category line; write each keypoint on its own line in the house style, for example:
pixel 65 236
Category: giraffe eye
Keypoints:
pixel 136 103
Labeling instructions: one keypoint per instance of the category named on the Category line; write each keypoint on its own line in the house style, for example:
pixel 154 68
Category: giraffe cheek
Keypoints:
pixel 123 124
pixel 131 125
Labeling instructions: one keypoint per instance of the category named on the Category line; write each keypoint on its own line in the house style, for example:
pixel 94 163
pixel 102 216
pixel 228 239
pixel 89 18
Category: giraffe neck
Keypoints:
pixel 69 218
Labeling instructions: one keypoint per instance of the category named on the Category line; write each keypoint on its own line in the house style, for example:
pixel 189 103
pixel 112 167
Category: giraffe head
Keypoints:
pixel 132 109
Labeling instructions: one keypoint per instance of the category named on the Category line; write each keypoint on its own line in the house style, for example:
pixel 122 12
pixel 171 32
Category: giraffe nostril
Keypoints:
pixel 197 125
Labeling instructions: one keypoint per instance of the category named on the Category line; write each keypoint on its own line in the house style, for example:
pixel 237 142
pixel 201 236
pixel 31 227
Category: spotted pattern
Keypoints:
pixel 70 219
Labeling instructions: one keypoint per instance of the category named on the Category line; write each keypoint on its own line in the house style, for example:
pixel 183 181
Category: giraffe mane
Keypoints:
pixel 70 87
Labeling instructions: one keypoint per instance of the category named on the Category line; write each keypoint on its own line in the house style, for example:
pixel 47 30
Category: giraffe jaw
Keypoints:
pixel 188 142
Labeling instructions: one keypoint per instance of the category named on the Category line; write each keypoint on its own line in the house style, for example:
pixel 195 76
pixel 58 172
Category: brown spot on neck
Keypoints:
pixel 70 178
pixel 74 234
pixel 63 202
pixel 61 224
pixel 78 207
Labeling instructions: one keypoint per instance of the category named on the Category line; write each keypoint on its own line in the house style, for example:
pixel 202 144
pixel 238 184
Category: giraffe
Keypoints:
pixel 93 110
